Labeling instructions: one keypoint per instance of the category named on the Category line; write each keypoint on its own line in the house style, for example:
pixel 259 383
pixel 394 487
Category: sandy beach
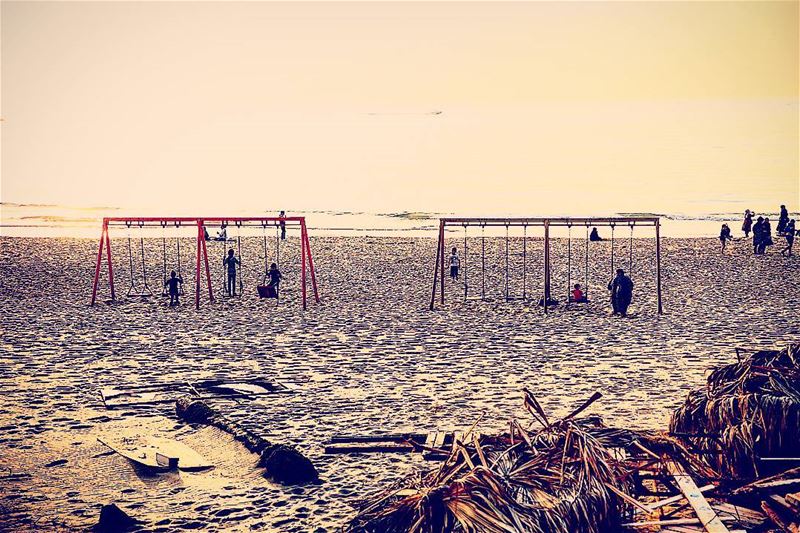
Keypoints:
pixel 371 358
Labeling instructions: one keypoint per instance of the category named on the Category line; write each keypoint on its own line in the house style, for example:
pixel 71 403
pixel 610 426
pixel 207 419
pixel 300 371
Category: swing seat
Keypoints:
pixel 267 291
pixel 583 300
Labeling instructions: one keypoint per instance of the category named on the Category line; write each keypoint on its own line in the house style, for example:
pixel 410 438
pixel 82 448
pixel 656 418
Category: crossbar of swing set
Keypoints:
pixel 546 223
pixel 202 251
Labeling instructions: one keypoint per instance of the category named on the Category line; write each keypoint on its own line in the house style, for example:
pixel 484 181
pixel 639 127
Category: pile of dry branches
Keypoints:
pixel 749 412
pixel 558 478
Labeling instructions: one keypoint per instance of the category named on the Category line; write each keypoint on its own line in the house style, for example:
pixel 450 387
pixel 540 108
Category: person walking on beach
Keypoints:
pixel 173 283
pixel 282 215
pixel 782 220
pixel 594 236
pixel 725 235
pixel 455 264
pixel 789 233
pixel 766 237
pixel 231 262
pixel 621 288
pixel 757 227
pixel 747 225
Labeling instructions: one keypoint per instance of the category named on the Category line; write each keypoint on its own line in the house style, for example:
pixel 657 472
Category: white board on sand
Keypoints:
pixel 156 452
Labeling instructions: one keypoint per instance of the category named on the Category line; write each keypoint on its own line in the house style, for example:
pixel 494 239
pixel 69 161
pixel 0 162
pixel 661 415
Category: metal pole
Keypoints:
pixel 466 287
pixel 569 262
pixel 441 266
pixel 436 266
pixel 506 262
pixel 97 266
pixel 524 262
pixel 658 266
pixel 303 265
pixel 483 262
pixel 208 271
pixel 546 265
pixel 586 265
pixel 310 262
pixel 110 264
pixel 200 238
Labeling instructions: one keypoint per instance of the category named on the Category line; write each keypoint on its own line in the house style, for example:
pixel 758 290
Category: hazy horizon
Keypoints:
pixel 472 108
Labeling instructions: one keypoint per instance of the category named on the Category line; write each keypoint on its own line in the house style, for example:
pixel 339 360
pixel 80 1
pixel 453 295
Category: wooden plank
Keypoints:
pixel 439 439
pixel 708 517
pixel 671 522
pixel 675 499
pixel 368 447
pixel 458 436
pixel 794 499
pixel 429 439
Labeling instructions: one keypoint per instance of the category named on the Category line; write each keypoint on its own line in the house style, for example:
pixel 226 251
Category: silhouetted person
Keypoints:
pixel 757 227
pixel 455 264
pixel 747 225
pixel 766 237
pixel 275 278
pixel 282 215
pixel 782 220
pixel 789 232
pixel 206 236
pixel 594 236
pixel 230 262
pixel 222 234
pixel 621 288
pixel 725 235
pixel 173 283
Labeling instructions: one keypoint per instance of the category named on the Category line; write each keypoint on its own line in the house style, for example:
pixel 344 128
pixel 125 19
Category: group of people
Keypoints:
pixel 621 287
pixel 762 232
pixel 231 263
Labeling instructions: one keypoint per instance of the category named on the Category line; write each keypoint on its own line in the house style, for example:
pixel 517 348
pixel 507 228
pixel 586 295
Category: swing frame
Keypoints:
pixel 546 223
pixel 306 259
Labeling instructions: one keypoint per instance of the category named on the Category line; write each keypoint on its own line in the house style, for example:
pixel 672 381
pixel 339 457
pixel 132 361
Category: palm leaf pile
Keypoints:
pixel 748 414
pixel 556 478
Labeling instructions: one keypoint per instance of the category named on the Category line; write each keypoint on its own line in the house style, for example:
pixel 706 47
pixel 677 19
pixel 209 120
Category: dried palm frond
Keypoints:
pixel 749 410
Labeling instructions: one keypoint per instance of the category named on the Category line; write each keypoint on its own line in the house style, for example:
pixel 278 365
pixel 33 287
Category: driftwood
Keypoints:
pixel 283 464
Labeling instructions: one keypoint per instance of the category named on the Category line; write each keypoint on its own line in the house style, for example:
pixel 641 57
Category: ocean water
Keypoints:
pixel 47 220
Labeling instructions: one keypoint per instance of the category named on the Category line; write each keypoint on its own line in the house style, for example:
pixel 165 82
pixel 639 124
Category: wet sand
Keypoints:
pixel 371 358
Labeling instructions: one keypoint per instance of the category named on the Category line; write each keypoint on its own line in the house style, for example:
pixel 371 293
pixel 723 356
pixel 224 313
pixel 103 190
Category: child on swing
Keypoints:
pixel 275 277
pixel 173 283
pixel 577 295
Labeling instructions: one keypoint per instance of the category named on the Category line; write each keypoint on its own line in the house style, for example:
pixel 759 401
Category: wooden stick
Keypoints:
pixel 708 517
pixel 632 501
pixel 676 498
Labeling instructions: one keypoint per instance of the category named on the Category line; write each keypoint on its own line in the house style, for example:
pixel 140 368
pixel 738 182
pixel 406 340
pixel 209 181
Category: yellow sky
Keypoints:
pixel 573 107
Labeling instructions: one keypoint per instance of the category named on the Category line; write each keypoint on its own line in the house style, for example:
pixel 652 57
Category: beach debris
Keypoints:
pixel 140 452
pixel 748 415
pixel 113 519
pixel 57 462
pixel 558 478
pixel 435 445
pixel 153 394
pixel 284 464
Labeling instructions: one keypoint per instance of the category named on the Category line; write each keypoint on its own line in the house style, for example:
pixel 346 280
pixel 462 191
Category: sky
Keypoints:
pixel 469 108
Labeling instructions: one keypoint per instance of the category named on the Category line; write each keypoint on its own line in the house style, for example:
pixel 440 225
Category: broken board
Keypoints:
pixel 157 453
pixel 143 395
pixel 435 445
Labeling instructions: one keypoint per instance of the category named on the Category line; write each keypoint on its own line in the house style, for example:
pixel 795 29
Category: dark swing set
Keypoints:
pixel 307 262
pixel 546 223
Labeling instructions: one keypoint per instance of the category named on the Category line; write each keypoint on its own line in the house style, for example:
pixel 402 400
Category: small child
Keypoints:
pixel 577 295
pixel 174 283
pixel 455 263
pixel 725 236
pixel 231 262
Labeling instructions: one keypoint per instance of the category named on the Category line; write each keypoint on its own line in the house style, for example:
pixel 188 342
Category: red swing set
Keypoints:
pixel 306 267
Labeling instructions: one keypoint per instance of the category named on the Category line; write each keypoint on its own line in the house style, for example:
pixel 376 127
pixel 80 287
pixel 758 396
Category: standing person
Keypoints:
pixel 725 235
pixel 621 288
pixel 757 227
pixel 231 262
pixel 766 236
pixel 747 225
pixel 173 283
pixel 282 215
pixel 782 220
pixel 789 233
pixel 455 264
